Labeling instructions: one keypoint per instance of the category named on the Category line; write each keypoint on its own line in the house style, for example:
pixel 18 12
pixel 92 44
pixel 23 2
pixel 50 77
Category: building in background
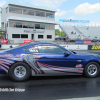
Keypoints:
pixel 24 22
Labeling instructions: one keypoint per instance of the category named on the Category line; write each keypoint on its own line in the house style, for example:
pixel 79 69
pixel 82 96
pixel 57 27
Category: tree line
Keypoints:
pixel 60 33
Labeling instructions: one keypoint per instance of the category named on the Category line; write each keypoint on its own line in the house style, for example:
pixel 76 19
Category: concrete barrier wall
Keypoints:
pixel 69 47
pixel 76 47
pixel 7 46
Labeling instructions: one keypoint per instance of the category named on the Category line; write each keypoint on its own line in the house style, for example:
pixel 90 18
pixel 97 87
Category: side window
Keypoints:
pixel 51 49
pixel 32 49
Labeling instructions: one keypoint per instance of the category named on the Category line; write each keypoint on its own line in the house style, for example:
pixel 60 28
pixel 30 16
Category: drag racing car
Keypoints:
pixel 45 59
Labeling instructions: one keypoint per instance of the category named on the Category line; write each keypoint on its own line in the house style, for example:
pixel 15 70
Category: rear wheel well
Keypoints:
pixel 20 62
pixel 19 71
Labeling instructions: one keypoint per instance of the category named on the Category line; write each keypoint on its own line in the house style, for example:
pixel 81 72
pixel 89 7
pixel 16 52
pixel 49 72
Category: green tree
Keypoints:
pixel 57 32
pixel 60 33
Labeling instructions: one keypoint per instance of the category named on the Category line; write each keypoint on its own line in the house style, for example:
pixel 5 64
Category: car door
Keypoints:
pixel 54 59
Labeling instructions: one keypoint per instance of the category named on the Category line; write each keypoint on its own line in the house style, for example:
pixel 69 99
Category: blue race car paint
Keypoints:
pixel 45 63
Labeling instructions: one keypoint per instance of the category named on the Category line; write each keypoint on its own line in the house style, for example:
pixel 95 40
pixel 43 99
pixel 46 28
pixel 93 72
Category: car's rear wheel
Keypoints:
pixel 91 69
pixel 19 72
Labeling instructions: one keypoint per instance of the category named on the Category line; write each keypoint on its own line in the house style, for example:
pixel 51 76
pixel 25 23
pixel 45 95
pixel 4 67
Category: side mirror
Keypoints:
pixel 67 54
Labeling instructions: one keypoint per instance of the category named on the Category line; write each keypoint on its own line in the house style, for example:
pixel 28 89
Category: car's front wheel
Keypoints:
pixel 19 72
pixel 91 69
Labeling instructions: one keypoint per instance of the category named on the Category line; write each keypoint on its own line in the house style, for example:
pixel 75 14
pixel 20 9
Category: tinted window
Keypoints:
pixel 40 36
pixel 25 25
pixel 18 11
pixel 28 12
pixel 42 14
pixel 42 26
pixel 12 24
pixel 18 24
pixel 15 10
pixel 49 15
pixel 37 26
pixel 15 35
pixel 31 12
pixel 25 11
pixel 31 25
pixel 49 36
pixel 12 10
pixel 24 35
pixel 51 49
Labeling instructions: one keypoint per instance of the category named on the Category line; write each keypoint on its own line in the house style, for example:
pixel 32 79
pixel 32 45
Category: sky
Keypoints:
pixel 68 9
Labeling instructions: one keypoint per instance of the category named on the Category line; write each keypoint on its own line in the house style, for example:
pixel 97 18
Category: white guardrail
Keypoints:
pixel 75 47
pixel 69 47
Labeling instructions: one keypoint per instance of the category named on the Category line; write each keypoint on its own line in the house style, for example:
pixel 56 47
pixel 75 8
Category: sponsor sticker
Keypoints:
pixel 93 47
pixel 79 65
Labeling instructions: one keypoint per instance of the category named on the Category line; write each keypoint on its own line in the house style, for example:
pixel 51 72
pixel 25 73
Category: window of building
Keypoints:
pixel 12 10
pixel 25 25
pixel 15 24
pixel 15 35
pixel 47 27
pixel 24 35
pixel 31 25
pixel 15 10
pixel 51 27
pixel 25 11
pixel 28 12
pixel 49 15
pixel 31 12
pixel 42 26
pixel 49 36
pixel 18 11
pixel 18 24
pixel 42 14
pixel 40 36
pixel 12 24
pixel 37 26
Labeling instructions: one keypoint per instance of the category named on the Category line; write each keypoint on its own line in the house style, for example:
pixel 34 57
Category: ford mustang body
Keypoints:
pixel 39 59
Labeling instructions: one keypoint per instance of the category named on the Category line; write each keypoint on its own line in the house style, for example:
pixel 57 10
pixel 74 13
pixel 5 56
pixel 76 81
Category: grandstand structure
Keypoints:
pixel 80 32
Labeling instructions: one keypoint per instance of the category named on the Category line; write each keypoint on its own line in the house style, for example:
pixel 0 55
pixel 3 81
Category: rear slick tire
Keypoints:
pixel 19 72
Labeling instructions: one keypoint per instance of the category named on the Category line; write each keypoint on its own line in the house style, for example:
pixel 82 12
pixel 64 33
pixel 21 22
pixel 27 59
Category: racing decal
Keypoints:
pixel 10 55
pixel 62 69
pixel 33 50
pixel 79 66
pixel 30 59
pixel 6 62
pixel 37 67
